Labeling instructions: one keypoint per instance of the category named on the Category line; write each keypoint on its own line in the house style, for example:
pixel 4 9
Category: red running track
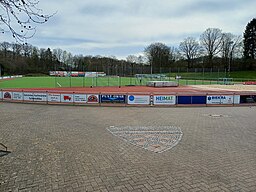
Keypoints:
pixel 134 89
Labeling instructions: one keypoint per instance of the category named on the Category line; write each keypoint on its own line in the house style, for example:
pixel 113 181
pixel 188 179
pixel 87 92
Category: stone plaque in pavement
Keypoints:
pixel 154 138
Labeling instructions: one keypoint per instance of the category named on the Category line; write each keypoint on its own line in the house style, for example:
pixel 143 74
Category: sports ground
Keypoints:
pixel 55 82
pixel 42 89
pixel 116 149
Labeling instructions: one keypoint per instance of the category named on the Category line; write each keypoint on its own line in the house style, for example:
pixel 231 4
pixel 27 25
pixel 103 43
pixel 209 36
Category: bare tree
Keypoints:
pixel 58 54
pixel 158 55
pixel 230 45
pixel 64 57
pixel 5 47
pixel 16 49
pixel 19 18
pixel 190 49
pixel 211 42
pixel 27 50
pixel 132 58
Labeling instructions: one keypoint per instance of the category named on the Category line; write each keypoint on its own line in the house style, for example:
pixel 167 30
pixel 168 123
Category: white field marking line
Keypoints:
pixel 59 84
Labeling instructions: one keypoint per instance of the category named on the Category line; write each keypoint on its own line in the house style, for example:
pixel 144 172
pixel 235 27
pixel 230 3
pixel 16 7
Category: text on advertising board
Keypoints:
pixel 113 98
pixel 139 99
pixel 220 99
pixel 165 99
pixel 17 96
pixel 54 97
pixel 34 96
pixel 80 98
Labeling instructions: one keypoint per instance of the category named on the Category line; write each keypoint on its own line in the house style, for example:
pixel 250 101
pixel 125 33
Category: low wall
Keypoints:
pixel 128 99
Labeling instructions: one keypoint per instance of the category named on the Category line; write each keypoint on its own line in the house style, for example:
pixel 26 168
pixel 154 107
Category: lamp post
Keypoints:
pixel 151 67
pixel 229 64
pixel 230 57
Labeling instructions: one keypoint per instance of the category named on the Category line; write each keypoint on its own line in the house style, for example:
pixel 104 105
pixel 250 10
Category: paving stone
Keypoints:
pixel 69 148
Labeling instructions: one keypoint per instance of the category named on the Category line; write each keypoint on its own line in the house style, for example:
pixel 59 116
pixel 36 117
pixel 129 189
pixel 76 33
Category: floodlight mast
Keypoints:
pixel 230 57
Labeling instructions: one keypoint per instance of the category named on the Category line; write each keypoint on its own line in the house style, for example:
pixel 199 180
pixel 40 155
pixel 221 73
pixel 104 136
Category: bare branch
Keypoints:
pixel 19 17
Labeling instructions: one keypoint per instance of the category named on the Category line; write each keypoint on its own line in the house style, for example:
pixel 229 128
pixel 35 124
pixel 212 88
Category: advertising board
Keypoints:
pixel 112 98
pixel 220 99
pixel 54 97
pixel 1 95
pixel 7 95
pixel 80 98
pixel 92 98
pixel 184 100
pixel 40 97
pixel 195 100
pixel 247 99
pixel 18 96
pixel 236 99
pixel 164 99
pixel 138 99
pixel 67 98
pixel 27 96
pixel 198 100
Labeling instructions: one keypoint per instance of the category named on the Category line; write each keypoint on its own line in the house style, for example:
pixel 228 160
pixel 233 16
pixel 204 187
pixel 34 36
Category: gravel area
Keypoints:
pixel 235 87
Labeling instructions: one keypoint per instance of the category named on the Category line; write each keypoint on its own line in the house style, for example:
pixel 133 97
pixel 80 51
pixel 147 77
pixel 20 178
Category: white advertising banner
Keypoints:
pixel 138 99
pixel 7 95
pixel 18 96
pixel 40 97
pixel 67 98
pixel 164 99
pixel 92 98
pixel 80 98
pixel 27 96
pixel 1 95
pixel 220 99
pixel 236 99
pixel 54 97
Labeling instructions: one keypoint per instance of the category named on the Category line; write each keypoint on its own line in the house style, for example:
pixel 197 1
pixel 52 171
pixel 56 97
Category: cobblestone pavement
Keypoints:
pixel 67 148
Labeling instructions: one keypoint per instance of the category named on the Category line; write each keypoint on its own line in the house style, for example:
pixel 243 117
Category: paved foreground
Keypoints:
pixel 67 148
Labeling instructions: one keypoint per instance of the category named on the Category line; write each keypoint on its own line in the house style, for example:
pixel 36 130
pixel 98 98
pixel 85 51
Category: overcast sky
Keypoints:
pixel 124 27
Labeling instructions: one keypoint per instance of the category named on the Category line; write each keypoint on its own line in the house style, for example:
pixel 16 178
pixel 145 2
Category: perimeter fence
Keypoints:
pixel 117 81
pixel 139 81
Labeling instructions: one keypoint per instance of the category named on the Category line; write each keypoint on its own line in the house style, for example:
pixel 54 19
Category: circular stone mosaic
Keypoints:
pixel 156 139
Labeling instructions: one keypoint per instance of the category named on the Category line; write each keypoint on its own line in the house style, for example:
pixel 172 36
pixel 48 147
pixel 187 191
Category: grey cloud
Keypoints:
pixel 119 27
pixel 53 41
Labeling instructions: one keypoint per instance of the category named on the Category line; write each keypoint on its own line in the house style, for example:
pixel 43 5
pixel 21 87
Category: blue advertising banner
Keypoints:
pixel 198 99
pixel 184 100
pixel 112 98
pixel 191 99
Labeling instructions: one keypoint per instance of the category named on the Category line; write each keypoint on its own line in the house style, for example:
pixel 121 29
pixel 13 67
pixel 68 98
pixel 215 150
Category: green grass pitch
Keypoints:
pixel 187 79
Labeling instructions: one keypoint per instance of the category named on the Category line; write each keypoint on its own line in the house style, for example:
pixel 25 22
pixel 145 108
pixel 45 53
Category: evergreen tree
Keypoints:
pixel 250 42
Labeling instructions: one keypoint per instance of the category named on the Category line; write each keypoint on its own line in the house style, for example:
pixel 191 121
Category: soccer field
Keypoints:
pixel 51 82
